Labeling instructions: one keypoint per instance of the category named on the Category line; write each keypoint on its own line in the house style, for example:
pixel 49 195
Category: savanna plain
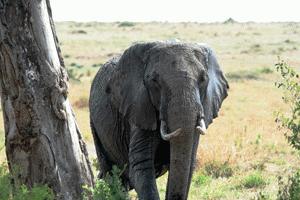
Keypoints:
pixel 244 152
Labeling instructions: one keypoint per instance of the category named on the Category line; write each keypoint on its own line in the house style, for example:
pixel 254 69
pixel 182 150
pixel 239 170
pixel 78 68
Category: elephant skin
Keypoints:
pixel 148 108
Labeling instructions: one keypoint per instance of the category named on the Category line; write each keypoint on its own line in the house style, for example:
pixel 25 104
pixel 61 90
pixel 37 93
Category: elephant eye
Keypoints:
pixel 203 79
pixel 155 82
pixel 154 79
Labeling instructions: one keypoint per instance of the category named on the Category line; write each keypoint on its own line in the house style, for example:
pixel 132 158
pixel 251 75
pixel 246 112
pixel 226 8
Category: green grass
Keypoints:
pixel 21 192
pixel 200 179
pixel 254 180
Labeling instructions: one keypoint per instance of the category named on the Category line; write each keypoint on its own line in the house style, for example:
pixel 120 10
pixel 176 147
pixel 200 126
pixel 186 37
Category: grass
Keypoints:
pixel 200 179
pixel 244 136
pixel 218 169
pixel 254 180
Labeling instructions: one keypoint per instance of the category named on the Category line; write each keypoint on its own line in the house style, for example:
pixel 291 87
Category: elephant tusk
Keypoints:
pixel 163 132
pixel 201 129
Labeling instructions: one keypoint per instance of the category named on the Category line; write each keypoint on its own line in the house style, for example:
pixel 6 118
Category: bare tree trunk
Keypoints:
pixel 42 137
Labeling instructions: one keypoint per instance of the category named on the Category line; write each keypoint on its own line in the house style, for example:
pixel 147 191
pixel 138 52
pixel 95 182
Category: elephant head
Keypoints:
pixel 176 88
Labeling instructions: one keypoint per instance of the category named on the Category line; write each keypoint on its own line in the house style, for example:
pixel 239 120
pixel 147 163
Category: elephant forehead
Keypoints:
pixel 175 63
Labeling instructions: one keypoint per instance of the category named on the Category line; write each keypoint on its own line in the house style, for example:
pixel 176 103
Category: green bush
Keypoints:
pixel 254 180
pixel 110 188
pixel 201 179
pixel 291 189
pixel 218 169
pixel 36 193
pixel 21 192
pixel 290 84
pixel 5 186
pixel 126 24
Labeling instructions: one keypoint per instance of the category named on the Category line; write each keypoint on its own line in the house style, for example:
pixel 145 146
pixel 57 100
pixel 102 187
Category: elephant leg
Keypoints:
pixel 104 165
pixel 141 164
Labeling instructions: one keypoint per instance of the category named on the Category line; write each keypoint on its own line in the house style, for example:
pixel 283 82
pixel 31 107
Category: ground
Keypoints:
pixel 243 152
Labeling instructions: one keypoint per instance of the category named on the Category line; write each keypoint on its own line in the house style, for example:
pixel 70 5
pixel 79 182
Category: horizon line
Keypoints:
pixel 169 21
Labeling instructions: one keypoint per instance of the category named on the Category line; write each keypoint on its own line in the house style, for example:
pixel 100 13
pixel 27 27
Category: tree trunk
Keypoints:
pixel 41 135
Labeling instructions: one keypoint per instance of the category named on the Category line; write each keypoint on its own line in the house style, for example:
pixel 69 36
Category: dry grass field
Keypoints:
pixel 243 152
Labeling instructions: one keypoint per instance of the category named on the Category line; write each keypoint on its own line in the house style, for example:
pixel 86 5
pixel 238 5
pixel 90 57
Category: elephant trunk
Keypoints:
pixel 182 154
pixel 181 150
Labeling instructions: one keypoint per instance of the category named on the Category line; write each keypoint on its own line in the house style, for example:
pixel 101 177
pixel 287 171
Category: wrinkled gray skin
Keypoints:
pixel 176 84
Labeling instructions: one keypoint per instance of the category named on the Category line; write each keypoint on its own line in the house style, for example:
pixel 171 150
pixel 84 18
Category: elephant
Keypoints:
pixel 148 108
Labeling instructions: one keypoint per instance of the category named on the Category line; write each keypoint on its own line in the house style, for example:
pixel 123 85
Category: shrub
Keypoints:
pixel 201 179
pixel 290 84
pixel 5 186
pixel 109 188
pixel 254 180
pixel 126 24
pixel 21 192
pixel 36 193
pixel 229 21
pixel 218 169
pixel 291 189
pixel 79 32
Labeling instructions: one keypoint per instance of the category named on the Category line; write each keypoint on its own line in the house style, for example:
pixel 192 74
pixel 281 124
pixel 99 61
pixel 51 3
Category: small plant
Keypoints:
pixel 21 192
pixel 201 179
pixel 254 180
pixel 290 84
pixel 95 164
pixel 291 189
pixel 109 188
pixel 258 139
pixel 218 169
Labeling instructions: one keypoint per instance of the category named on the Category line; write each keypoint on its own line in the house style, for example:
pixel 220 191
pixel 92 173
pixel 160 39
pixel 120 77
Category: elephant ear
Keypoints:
pixel 127 90
pixel 217 86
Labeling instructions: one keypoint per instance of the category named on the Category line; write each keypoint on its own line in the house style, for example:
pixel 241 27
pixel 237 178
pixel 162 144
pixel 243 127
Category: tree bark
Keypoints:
pixel 41 135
